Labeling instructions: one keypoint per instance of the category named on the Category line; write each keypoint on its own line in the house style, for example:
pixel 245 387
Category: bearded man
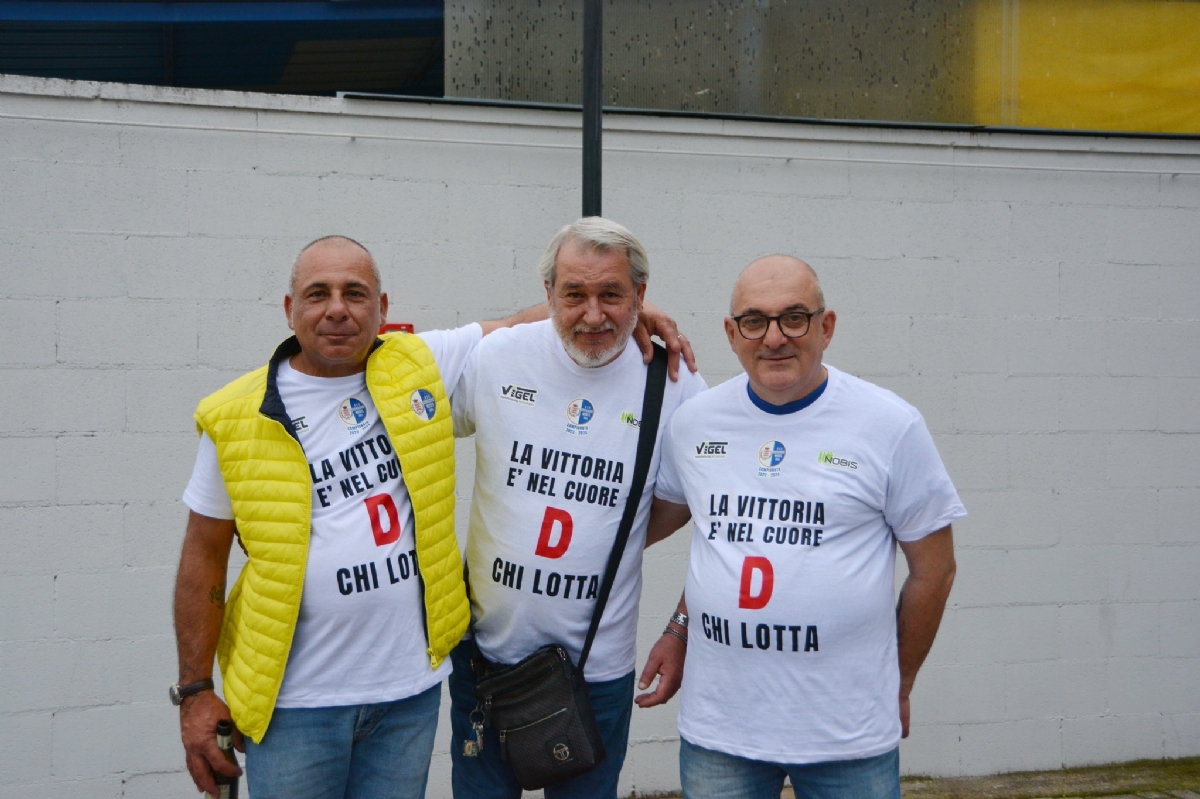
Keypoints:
pixel 555 409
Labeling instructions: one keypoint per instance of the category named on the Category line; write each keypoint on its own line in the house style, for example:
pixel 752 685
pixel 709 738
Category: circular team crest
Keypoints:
pixel 351 411
pixel 771 454
pixel 423 404
pixel 580 411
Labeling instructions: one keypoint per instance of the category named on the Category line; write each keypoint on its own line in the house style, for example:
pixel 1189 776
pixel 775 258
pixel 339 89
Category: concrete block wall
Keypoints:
pixel 1038 298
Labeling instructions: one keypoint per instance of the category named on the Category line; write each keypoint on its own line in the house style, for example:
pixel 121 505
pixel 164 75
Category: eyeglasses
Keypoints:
pixel 793 324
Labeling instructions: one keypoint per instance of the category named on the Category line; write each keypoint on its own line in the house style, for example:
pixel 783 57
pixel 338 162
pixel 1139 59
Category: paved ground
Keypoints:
pixel 1140 779
pixel 1144 779
pixel 1147 779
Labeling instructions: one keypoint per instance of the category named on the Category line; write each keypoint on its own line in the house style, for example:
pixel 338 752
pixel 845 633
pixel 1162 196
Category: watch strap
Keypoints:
pixel 181 692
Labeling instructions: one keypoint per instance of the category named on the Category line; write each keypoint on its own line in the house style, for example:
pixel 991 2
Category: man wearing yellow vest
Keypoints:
pixel 334 467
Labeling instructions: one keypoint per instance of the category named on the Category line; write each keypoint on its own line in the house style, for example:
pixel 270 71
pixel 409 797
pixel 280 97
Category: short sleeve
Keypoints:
pixel 205 493
pixel 451 348
pixel 690 383
pixel 462 400
pixel 920 497
pixel 668 484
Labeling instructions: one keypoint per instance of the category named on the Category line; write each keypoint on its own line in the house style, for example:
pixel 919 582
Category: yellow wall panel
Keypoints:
pixel 1088 64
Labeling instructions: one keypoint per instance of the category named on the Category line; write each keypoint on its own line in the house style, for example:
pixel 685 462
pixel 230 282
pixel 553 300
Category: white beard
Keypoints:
pixel 591 360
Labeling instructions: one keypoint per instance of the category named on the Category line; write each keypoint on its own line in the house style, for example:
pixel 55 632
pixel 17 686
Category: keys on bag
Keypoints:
pixel 472 748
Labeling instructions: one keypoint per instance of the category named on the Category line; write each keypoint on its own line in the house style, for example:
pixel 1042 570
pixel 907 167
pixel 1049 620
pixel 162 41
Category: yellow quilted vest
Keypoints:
pixel 266 473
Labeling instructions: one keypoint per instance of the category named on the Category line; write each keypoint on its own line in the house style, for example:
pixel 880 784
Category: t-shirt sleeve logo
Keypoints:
pixel 423 404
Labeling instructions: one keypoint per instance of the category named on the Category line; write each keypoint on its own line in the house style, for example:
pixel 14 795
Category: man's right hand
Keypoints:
pixel 198 717
pixel 666 663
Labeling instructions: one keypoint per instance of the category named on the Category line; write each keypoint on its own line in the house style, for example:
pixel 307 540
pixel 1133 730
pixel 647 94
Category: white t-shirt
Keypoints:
pixel 555 447
pixel 360 636
pixel 790 587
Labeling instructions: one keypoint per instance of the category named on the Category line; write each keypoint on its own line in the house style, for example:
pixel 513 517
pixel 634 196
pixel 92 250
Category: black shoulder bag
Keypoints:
pixel 540 706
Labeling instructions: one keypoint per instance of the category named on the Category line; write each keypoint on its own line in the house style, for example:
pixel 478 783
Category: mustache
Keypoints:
pixel 604 328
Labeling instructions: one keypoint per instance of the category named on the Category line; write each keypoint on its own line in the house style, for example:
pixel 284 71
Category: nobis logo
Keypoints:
pixel 829 459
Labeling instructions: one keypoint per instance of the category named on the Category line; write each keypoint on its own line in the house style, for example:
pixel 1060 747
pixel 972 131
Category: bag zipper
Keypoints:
pixel 562 657
pixel 504 733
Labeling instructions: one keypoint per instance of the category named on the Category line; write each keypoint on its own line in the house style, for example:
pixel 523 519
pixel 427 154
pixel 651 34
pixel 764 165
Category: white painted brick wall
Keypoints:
pixel 1038 299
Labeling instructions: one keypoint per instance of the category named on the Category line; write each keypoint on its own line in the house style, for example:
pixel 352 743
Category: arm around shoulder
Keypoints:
pixel 534 313
pixel 665 518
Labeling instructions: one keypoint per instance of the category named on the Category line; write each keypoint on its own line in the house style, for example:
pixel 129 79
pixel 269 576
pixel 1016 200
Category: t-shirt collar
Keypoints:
pixel 787 407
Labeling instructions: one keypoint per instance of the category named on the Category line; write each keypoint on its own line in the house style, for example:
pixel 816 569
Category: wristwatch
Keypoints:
pixel 178 692
pixel 680 619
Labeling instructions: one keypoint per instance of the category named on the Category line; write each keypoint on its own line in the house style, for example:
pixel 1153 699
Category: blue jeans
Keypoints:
pixel 352 752
pixel 486 776
pixel 715 775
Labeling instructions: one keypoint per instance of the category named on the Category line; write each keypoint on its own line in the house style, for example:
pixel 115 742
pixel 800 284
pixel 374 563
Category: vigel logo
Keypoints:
pixel 711 449
pixel 514 393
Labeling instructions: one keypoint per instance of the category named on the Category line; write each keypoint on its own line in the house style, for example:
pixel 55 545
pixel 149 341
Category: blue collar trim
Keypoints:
pixel 789 407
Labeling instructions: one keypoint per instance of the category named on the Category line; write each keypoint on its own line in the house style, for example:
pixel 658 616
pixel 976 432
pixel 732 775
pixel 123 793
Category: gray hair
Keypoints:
pixel 336 239
pixel 600 235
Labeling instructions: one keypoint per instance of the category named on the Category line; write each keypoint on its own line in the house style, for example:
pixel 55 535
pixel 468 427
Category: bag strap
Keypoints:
pixel 656 380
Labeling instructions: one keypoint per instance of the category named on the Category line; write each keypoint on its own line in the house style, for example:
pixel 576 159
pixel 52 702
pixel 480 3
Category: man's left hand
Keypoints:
pixel 666 663
pixel 652 321
pixel 904 716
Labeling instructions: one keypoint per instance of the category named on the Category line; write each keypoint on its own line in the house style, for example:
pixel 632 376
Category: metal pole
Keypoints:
pixel 593 103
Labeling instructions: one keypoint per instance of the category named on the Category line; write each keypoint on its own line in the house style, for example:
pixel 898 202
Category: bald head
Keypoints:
pixel 772 274
pixel 780 298
pixel 333 243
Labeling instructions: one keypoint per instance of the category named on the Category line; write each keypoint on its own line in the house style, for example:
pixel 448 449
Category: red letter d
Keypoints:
pixel 544 547
pixel 750 565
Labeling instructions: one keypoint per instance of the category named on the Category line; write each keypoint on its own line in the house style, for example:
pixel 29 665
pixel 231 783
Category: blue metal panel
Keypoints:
pixel 252 45
pixel 77 11
pixel 126 54
pixel 249 56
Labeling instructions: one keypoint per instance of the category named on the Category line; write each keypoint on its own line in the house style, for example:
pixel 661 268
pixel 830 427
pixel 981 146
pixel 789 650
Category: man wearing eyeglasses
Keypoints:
pixel 801 480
